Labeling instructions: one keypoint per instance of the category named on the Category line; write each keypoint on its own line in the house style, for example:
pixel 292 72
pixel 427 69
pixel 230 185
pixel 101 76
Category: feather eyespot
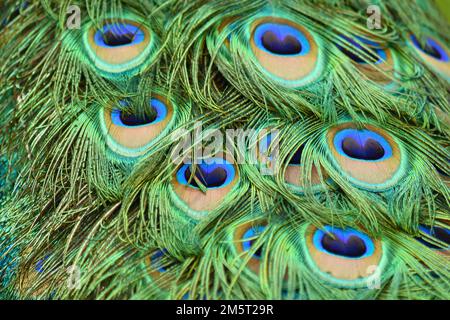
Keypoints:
pixel 434 53
pixel 249 239
pixel 119 35
pixel 227 25
pixel 131 133
pixel 343 243
pixel 119 46
pixel 31 283
pixel 281 39
pixel 367 52
pixel 210 175
pixel 369 157
pixel 297 157
pixel 442 173
pixel 294 172
pixel 362 145
pixel 377 63
pixel 244 238
pixel 200 188
pixel 130 120
pixel 40 264
pixel 345 256
pixel 286 50
pixel 431 234
pixel 431 48
pixel 156 261
pixel 157 265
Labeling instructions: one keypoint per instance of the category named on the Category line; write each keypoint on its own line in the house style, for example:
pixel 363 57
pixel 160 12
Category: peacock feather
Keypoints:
pixel 211 149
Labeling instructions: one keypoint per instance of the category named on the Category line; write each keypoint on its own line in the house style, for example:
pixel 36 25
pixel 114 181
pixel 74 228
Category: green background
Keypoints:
pixel 445 7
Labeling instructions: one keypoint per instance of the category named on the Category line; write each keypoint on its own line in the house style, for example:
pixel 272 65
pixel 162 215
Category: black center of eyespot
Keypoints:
pixel 429 49
pixel 371 56
pixel 296 158
pixel 441 234
pixel 438 233
pixel 353 247
pixel 432 51
pixel 360 54
pixel 369 150
pixel 114 39
pixel 214 178
pixel 289 45
pixel 130 119
pixel 258 252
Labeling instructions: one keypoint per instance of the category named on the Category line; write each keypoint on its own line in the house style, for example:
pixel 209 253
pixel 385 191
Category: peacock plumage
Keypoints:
pixel 211 149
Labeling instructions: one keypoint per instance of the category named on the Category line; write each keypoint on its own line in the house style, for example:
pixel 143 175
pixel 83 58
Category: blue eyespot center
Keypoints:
pixel 249 238
pixel 431 48
pixel 156 260
pixel 441 171
pixel 363 54
pixel 346 243
pixel 281 39
pixel 363 145
pixel 157 113
pixel 265 143
pixel 119 35
pixel 211 174
pixel 40 264
pixel 438 233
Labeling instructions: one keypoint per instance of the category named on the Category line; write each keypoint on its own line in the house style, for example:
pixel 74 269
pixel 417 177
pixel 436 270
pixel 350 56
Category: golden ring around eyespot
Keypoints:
pixel 286 67
pixel 139 136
